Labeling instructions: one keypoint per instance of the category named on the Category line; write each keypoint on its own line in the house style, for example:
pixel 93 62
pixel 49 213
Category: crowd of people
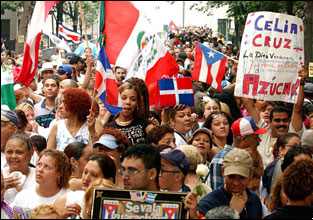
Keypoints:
pixel 60 142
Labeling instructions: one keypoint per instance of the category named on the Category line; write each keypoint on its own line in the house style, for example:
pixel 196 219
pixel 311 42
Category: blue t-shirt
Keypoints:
pixel 220 197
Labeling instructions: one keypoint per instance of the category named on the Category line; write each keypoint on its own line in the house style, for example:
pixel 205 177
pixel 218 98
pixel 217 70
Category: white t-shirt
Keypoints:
pixel 266 145
pixel 30 199
pixel 179 140
pixel 29 183
pixel 76 197
pixel 3 161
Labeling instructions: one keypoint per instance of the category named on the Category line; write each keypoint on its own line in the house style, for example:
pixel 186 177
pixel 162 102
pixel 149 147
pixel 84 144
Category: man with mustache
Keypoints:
pixel 282 121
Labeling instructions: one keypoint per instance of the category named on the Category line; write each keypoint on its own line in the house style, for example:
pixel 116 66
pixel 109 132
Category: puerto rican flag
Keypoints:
pixel 174 91
pixel 68 34
pixel 106 85
pixel 209 66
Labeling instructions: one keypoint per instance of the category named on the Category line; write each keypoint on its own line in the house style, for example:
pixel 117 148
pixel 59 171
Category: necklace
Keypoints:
pixel 123 123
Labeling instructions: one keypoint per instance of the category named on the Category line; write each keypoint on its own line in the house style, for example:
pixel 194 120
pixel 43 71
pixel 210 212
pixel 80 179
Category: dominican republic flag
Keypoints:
pixel 105 83
pixel 174 91
pixel 209 66
pixel 31 46
pixel 153 63
pixel 68 34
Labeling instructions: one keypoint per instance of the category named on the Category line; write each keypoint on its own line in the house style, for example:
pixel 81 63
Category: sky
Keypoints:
pixel 163 12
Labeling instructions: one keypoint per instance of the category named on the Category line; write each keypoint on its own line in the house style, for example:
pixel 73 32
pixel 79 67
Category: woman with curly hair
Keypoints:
pixel 131 120
pixel 76 104
pixel 53 171
pixel 98 168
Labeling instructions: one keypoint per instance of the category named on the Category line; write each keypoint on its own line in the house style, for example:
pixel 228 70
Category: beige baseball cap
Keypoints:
pixel 237 161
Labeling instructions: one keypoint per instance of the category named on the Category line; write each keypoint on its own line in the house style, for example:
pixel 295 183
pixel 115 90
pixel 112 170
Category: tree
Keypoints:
pixel 308 31
pixel 10 5
pixel 25 11
pixel 90 9
pixel 70 8
pixel 240 9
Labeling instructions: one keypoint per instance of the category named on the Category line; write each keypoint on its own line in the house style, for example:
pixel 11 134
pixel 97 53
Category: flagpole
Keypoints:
pixel 228 57
pixel 93 99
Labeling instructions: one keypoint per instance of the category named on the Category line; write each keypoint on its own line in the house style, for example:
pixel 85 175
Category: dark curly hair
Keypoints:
pixel 142 89
pixel 291 154
pixel 157 133
pixel 276 201
pixel 282 142
pixel 78 102
pixel 298 180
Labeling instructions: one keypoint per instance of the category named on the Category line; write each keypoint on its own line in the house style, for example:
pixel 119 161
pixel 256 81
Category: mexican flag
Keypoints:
pixel 31 46
pixel 7 91
pixel 153 63
pixel 125 28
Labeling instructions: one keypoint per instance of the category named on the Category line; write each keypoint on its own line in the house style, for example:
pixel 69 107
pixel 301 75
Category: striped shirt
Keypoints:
pixel 215 169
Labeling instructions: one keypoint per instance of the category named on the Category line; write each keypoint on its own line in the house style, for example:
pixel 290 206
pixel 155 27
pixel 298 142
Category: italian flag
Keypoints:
pixel 7 91
pixel 153 63
pixel 31 46
pixel 124 28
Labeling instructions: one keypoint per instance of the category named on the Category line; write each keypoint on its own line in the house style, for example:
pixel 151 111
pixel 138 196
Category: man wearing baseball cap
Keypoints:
pixel 65 71
pixel 237 166
pixel 245 136
pixel 174 167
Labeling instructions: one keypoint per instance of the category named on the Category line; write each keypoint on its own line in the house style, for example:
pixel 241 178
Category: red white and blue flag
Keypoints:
pixel 68 34
pixel 174 91
pixel 209 66
pixel 105 84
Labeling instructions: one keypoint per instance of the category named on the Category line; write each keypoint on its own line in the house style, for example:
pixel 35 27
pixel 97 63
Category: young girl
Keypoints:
pixel 219 124
pixel 130 120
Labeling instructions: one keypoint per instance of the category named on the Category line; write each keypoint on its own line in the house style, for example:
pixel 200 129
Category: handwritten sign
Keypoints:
pixel 310 69
pixel 271 53
pixel 130 204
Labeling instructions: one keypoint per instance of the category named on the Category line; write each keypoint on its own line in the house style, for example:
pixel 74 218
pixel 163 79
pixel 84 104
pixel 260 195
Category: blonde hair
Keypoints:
pixel 43 210
pixel 24 106
pixel 225 108
pixel 193 156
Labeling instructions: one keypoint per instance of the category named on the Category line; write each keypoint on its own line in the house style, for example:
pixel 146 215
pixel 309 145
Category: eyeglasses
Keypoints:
pixel 130 171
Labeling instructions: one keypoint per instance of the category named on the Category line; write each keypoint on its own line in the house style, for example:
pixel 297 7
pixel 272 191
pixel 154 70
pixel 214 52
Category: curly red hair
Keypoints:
pixel 78 102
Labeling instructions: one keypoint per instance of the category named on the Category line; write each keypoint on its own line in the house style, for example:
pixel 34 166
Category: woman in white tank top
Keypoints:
pixel 74 107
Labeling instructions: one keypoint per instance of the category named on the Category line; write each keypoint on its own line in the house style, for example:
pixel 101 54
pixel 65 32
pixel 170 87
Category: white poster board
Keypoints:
pixel 271 53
